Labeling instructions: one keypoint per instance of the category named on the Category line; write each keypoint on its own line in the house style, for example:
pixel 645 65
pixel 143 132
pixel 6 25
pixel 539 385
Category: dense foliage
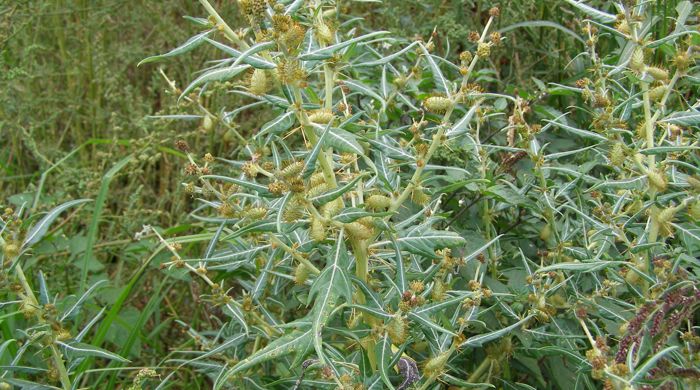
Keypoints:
pixel 404 217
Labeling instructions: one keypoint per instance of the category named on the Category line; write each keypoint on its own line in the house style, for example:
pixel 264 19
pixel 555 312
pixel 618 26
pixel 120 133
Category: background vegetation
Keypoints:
pixel 75 123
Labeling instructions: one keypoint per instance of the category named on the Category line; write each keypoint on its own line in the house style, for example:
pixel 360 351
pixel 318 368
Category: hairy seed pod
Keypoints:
pixel 63 335
pixel 655 94
pixel 277 187
pixel 317 231
pixel 437 104
pixel 322 116
pixel 634 207
pixel 397 329
pixel 367 221
pixel 227 210
pixel 259 83
pixel 255 213
pixel 317 190
pixel 291 170
pixel 617 154
pixel 623 27
pixel 631 277
pixel 27 308
pixel 435 365
pixel 332 208
pixel 358 231
pixel 657 180
pixel 637 60
pixel 657 73
pixel 419 197
pixel 694 182
pixel 207 123
pixel 378 202
pixel 301 274
pixel 10 250
pixel 681 61
pixel 694 210
pixel 324 33
pixel 316 179
pixel 545 232
pixel 483 50
pixel 438 292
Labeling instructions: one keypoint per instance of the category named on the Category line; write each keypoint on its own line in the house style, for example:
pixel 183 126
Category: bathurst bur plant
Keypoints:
pixel 349 248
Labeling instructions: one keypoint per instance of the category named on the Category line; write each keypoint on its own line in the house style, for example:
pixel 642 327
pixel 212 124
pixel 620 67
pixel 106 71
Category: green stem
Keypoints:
pixel 55 354
pixel 485 364
pixel 230 34
pixel 415 179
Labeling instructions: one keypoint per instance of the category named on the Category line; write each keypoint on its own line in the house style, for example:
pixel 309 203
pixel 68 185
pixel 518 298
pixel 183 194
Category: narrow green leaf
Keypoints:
pixel 76 350
pixel 222 74
pixel 190 44
pixel 37 232
pixel 336 192
pixel 327 52
pixel 479 340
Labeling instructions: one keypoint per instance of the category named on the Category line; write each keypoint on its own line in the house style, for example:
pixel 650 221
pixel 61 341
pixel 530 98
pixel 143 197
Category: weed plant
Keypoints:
pixel 401 221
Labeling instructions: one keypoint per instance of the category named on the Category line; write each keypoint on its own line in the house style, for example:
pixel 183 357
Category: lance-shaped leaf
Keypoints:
pixel 221 74
pixel 76 350
pixel 592 12
pixel 440 81
pixel 388 58
pixel 384 357
pixel 254 61
pixel 424 241
pixel 327 52
pixel 258 47
pixel 683 118
pixel 352 214
pixel 364 89
pixel 277 125
pixel 259 188
pixel 184 48
pixel 310 161
pixel 297 341
pixel 75 308
pixel 428 324
pixel 479 340
pixel 331 284
pixel 336 192
pixel 579 132
pixel 38 231
pixel 343 141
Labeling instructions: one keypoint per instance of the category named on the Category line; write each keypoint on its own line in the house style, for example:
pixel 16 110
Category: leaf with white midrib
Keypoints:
pixel 282 346
pixel 438 77
pixel 221 74
pixel 190 44
pixel 83 350
pixel 479 340
pixel 328 51
pixel 335 284
pixel 37 231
